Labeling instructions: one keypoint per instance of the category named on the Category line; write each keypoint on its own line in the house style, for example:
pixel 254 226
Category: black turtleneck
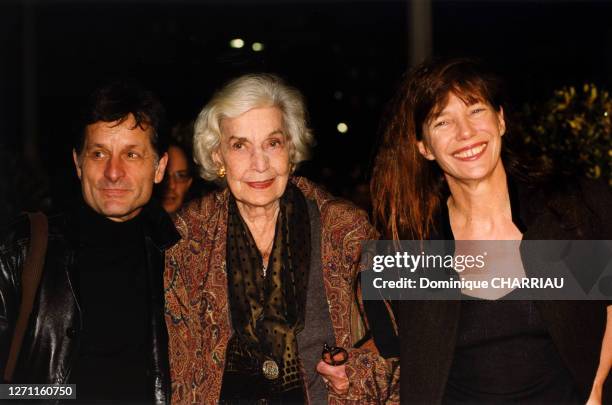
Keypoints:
pixel 111 287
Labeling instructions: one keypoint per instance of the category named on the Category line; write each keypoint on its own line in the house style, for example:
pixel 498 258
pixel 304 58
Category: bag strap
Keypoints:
pixel 381 335
pixel 30 279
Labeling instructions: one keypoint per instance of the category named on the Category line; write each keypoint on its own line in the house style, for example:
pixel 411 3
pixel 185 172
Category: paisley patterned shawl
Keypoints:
pixel 198 313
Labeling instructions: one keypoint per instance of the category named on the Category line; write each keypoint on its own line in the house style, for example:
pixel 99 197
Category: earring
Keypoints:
pixel 221 172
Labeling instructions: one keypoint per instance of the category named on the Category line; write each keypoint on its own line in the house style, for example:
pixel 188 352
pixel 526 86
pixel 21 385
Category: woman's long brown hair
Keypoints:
pixel 406 188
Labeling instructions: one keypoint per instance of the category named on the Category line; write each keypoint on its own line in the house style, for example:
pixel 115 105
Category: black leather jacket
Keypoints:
pixel 52 338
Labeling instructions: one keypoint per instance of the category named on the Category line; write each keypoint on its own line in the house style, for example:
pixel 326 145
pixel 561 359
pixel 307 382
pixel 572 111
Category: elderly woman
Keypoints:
pixel 265 273
pixel 443 171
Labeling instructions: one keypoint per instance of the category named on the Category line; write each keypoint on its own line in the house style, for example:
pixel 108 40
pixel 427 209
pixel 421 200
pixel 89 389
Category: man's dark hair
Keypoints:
pixel 115 101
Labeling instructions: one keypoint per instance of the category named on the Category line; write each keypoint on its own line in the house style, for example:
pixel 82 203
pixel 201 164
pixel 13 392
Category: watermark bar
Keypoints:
pixel 37 391
pixel 492 270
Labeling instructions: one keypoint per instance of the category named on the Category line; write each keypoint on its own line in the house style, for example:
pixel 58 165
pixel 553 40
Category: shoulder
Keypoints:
pixel 337 215
pixel 578 194
pixel 592 202
pixel 597 196
pixel 14 233
pixel 17 229
pixel 341 214
pixel 575 203
pixel 192 218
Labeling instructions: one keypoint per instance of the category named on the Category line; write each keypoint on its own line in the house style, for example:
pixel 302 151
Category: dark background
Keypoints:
pixel 346 56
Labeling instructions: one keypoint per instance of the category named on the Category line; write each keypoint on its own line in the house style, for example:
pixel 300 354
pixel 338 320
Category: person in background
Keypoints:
pixel 265 273
pixel 98 316
pixel 22 188
pixel 444 171
pixel 178 179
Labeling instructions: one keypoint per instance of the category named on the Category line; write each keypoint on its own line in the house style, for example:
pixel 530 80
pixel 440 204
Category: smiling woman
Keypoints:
pixel 443 171
pixel 264 276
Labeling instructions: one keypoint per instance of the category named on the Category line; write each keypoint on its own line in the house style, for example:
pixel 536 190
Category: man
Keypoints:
pixel 98 319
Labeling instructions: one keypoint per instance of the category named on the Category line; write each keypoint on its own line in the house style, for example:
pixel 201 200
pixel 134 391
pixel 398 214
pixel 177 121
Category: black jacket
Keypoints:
pixel 51 341
pixel 428 330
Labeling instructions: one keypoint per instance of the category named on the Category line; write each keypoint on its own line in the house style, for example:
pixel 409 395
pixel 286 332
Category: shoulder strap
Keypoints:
pixel 381 335
pixel 30 279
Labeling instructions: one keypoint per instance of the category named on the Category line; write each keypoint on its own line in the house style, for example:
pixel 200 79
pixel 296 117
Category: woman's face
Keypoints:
pixel 255 153
pixel 177 179
pixel 465 140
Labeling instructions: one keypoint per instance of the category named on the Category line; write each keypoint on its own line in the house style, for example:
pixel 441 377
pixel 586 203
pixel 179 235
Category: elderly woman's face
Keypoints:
pixel 465 140
pixel 255 153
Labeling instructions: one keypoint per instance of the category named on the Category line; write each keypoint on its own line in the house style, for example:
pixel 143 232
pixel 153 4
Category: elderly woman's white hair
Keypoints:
pixel 241 95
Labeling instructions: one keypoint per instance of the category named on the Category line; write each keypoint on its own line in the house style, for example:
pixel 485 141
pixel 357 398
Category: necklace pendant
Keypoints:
pixel 270 369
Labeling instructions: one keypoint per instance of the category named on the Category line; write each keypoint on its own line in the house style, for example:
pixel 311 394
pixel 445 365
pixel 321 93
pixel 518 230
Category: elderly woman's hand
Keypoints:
pixel 334 376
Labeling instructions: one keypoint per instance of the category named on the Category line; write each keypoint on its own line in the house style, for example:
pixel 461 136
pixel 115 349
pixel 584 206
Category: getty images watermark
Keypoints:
pixel 442 270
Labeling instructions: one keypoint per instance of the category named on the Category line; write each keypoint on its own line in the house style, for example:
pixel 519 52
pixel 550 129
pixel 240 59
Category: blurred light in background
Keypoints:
pixel 342 128
pixel 237 43
pixel 257 46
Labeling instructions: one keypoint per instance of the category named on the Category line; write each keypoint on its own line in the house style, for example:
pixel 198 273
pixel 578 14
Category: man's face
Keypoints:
pixel 117 168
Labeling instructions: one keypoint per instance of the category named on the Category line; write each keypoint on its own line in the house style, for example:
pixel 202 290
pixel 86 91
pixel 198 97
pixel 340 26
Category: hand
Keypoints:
pixel 334 376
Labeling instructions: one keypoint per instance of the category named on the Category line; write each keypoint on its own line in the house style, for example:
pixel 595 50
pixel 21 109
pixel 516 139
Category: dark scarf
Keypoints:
pixel 267 313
